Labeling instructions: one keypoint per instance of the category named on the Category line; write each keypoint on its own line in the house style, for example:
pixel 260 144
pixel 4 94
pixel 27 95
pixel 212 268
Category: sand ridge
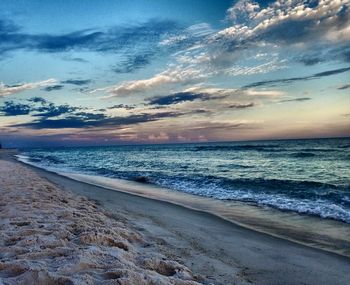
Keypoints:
pixel 50 236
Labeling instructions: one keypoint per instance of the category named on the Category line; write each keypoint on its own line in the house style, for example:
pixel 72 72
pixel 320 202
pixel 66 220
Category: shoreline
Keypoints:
pixel 312 231
pixel 211 245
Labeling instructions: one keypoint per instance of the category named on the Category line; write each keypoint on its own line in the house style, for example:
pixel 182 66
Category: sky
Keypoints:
pixel 121 72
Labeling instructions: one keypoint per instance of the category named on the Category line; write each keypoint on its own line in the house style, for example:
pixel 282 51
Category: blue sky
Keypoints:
pixel 105 72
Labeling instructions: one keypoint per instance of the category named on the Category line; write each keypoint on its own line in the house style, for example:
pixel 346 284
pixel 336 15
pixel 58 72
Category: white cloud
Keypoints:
pixel 161 137
pixel 243 93
pixel 255 42
pixel 329 20
pixel 263 93
pixel 170 76
pixel 192 33
pixel 200 30
pixel 172 40
pixel 258 69
pixel 6 90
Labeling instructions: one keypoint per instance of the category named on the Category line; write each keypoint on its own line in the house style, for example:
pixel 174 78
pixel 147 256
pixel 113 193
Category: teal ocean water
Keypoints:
pixel 305 176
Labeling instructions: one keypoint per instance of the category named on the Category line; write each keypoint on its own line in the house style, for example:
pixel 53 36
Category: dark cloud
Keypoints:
pixel 345 55
pixel 7 27
pixel 7 42
pixel 346 86
pixel 197 111
pixel 51 110
pixel 88 120
pixel 14 109
pixel 296 100
pixel 330 72
pixel 322 53
pixel 295 79
pixel 83 89
pixel 76 59
pixel 44 110
pixel 137 43
pixel 309 61
pixel 121 106
pixel 78 82
pixel 289 31
pixel 241 106
pixel 179 97
pixel 49 115
pixel 53 88
pixel 132 63
pixel 37 100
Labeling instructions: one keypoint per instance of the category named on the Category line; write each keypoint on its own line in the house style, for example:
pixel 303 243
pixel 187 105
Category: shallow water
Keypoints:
pixel 304 176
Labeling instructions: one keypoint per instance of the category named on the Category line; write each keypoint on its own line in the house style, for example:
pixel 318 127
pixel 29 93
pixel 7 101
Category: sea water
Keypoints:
pixel 305 176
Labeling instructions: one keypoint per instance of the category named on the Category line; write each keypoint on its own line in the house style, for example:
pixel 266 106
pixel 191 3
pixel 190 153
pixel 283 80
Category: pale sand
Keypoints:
pixel 53 237
pixel 214 250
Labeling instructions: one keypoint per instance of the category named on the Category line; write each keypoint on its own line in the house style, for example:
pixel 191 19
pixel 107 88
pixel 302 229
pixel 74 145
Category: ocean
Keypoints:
pixel 305 176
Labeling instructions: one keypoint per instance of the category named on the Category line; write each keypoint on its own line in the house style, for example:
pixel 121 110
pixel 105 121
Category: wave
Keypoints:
pixel 303 154
pixel 248 147
pixel 325 200
pixel 301 176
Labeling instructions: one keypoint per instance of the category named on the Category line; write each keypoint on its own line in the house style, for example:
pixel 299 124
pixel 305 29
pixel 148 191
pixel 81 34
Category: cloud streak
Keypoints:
pixel 91 120
pixel 295 79
pixel 137 44
pixel 78 82
pixel 303 99
pixel 177 98
pixel 6 90
pixel 170 76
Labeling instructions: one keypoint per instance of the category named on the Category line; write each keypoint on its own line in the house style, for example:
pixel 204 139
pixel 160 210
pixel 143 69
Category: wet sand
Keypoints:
pixel 210 249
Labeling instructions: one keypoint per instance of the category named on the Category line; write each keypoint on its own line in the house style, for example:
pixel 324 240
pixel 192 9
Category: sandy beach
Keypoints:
pixel 55 230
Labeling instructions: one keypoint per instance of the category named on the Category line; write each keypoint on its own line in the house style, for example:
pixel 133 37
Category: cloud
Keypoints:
pixel 90 120
pixel 262 68
pixel 254 27
pixel 287 29
pixel 52 116
pixel 38 107
pixel 177 98
pixel 37 100
pixel 309 61
pixel 303 99
pixel 343 87
pixel 162 136
pixel 78 82
pixel 188 37
pixel 121 106
pixel 53 88
pixel 282 30
pixel 241 106
pixel 13 109
pixel 295 79
pixel 170 76
pixel 289 21
pixel 101 40
pixel 133 62
pixel 6 90
pixel 135 43
pixel 51 110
